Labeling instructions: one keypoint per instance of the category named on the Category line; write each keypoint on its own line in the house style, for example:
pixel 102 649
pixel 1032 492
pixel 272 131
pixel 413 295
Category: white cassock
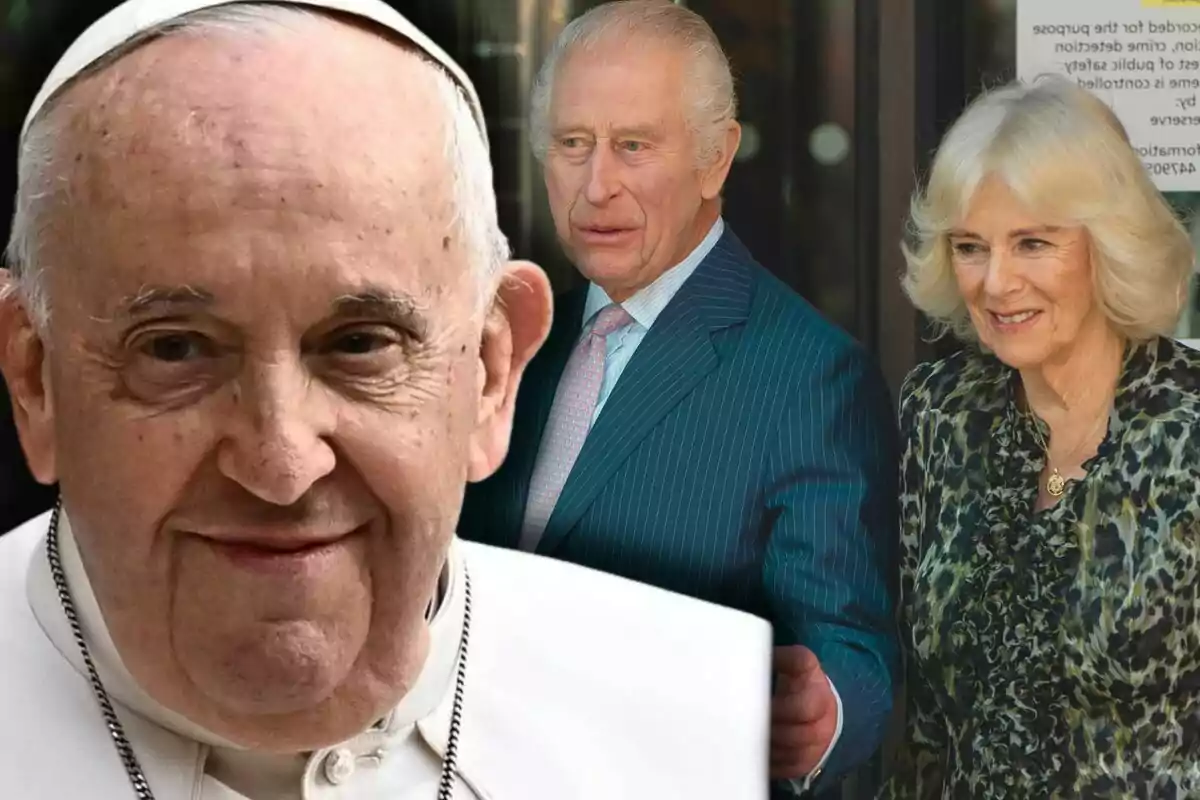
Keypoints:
pixel 579 686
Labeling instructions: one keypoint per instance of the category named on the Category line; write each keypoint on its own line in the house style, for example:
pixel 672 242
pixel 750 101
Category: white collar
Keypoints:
pixel 429 692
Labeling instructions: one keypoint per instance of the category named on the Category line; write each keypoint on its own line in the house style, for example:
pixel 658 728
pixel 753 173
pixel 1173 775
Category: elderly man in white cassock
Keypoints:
pixel 260 327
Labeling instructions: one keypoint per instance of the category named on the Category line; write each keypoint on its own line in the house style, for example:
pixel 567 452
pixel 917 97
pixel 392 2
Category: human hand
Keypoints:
pixel 804 713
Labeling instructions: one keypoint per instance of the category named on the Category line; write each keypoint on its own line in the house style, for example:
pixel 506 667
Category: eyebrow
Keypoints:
pixel 378 303
pixel 1014 234
pixel 1034 231
pixel 632 131
pixel 373 302
pixel 635 132
pixel 164 298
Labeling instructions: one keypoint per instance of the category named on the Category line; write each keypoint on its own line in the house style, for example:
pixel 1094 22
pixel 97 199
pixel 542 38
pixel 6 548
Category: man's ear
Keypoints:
pixel 712 179
pixel 23 362
pixel 516 326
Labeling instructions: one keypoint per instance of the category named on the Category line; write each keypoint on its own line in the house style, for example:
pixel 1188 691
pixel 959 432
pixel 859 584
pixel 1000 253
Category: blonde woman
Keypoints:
pixel 1051 471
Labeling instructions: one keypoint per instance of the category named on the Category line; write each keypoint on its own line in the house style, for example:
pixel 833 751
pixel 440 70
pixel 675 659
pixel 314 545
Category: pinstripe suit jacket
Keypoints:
pixel 746 456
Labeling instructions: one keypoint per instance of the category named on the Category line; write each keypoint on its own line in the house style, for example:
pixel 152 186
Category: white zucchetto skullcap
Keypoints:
pixel 135 17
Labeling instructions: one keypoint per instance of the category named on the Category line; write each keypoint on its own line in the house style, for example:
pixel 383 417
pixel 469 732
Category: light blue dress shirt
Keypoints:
pixel 644 307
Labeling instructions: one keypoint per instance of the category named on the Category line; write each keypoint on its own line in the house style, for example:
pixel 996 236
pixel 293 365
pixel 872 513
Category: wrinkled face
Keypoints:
pixel 621 172
pixel 1027 284
pixel 264 380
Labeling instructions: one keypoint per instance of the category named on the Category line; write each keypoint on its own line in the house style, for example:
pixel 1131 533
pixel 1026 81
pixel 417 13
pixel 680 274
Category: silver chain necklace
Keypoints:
pixel 141 787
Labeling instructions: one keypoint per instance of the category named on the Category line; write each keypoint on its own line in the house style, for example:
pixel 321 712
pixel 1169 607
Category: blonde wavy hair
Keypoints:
pixel 1068 159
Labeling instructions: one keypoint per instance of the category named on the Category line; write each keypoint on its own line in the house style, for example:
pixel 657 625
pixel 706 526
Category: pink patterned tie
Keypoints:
pixel 570 420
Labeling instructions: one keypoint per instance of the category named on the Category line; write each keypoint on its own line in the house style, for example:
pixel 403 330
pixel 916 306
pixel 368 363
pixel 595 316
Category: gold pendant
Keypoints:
pixel 1056 484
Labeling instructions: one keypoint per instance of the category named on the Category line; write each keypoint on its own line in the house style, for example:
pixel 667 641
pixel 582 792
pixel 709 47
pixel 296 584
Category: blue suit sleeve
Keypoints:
pixel 829 571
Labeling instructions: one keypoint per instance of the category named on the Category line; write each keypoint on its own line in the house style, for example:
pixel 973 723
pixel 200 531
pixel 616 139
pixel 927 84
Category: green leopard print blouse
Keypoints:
pixel 1053 654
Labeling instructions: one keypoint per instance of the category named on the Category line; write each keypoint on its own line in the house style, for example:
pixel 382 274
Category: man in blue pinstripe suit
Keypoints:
pixel 691 422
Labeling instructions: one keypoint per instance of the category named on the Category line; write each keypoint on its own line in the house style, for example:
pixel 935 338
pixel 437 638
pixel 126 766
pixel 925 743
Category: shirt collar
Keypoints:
pixel 647 303
pixel 429 691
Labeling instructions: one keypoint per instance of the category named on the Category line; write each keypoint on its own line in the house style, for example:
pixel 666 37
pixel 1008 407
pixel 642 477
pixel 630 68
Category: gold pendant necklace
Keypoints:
pixel 1056 484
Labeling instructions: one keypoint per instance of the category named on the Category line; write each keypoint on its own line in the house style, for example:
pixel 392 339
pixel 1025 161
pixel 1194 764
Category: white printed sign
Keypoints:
pixel 1142 57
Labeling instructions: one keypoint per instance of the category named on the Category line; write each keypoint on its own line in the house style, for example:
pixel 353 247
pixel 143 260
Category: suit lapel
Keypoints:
pixel 675 356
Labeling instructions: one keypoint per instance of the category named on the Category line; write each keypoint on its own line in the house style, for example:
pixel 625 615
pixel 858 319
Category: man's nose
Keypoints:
pixel 602 182
pixel 276 445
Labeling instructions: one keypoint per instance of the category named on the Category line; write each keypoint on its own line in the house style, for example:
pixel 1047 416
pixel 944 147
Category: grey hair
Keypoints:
pixel 709 94
pixel 42 177
pixel 1066 156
